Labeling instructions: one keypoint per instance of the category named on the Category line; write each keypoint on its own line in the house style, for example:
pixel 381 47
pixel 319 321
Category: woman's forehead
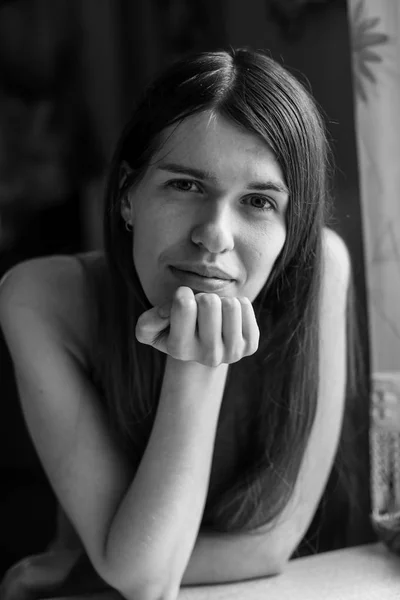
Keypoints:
pixel 214 144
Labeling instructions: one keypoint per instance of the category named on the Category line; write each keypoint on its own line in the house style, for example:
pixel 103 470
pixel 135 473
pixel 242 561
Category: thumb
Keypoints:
pixel 150 326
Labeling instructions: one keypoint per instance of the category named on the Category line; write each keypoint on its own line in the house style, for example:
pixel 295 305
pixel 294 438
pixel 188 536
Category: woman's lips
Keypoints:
pixel 198 282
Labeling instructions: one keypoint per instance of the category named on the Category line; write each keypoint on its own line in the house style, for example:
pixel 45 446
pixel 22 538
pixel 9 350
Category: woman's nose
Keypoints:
pixel 214 230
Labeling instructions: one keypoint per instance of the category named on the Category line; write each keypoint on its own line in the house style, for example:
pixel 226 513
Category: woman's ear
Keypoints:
pixel 126 209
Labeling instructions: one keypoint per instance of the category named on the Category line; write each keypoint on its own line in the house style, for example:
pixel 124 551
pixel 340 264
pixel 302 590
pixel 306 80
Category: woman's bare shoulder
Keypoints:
pixel 57 289
pixel 336 257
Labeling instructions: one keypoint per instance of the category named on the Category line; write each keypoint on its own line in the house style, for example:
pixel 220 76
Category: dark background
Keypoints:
pixel 70 71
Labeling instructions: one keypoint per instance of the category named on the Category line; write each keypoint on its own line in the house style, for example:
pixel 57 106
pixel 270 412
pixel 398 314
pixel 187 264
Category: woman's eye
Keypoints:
pixel 261 203
pixel 183 185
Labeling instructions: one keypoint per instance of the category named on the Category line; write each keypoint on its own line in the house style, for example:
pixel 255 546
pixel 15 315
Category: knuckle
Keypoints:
pixel 208 300
pixel 252 347
pixel 183 302
pixel 214 363
pixel 212 358
pixel 236 354
pixel 230 303
pixel 181 296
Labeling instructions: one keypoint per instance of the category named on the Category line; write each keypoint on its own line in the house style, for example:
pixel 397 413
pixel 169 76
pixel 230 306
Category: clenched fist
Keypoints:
pixel 203 328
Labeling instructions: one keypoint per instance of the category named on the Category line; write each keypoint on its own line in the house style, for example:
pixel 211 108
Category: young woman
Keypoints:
pixel 185 389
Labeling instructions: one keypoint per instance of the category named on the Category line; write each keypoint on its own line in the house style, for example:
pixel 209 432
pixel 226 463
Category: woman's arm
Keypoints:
pixel 155 527
pixel 138 529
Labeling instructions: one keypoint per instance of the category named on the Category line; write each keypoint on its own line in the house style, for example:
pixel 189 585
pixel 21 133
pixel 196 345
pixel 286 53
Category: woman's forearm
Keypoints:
pixel 155 528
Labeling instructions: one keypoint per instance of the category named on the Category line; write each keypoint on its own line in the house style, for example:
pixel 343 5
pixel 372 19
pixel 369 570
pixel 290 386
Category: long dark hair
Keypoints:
pixel 257 94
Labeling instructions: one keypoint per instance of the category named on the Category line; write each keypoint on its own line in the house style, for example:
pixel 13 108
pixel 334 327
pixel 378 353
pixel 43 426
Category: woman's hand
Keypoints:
pixel 204 328
pixel 38 574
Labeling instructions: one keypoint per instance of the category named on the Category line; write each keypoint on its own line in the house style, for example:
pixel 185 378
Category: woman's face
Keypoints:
pixel 213 195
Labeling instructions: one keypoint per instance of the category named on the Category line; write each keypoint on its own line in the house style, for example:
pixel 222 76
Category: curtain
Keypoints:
pixel 375 29
pixel 375 33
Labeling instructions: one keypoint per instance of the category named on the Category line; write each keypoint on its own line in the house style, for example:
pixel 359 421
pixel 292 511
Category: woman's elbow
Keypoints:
pixel 278 567
pixel 139 591
pixel 137 585
pixel 274 565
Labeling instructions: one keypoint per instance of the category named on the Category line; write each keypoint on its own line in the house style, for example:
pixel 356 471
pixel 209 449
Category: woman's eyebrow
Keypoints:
pixel 276 186
pixel 192 171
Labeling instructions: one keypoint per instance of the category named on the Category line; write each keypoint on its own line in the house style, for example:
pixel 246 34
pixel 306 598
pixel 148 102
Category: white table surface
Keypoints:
pixel 367 572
